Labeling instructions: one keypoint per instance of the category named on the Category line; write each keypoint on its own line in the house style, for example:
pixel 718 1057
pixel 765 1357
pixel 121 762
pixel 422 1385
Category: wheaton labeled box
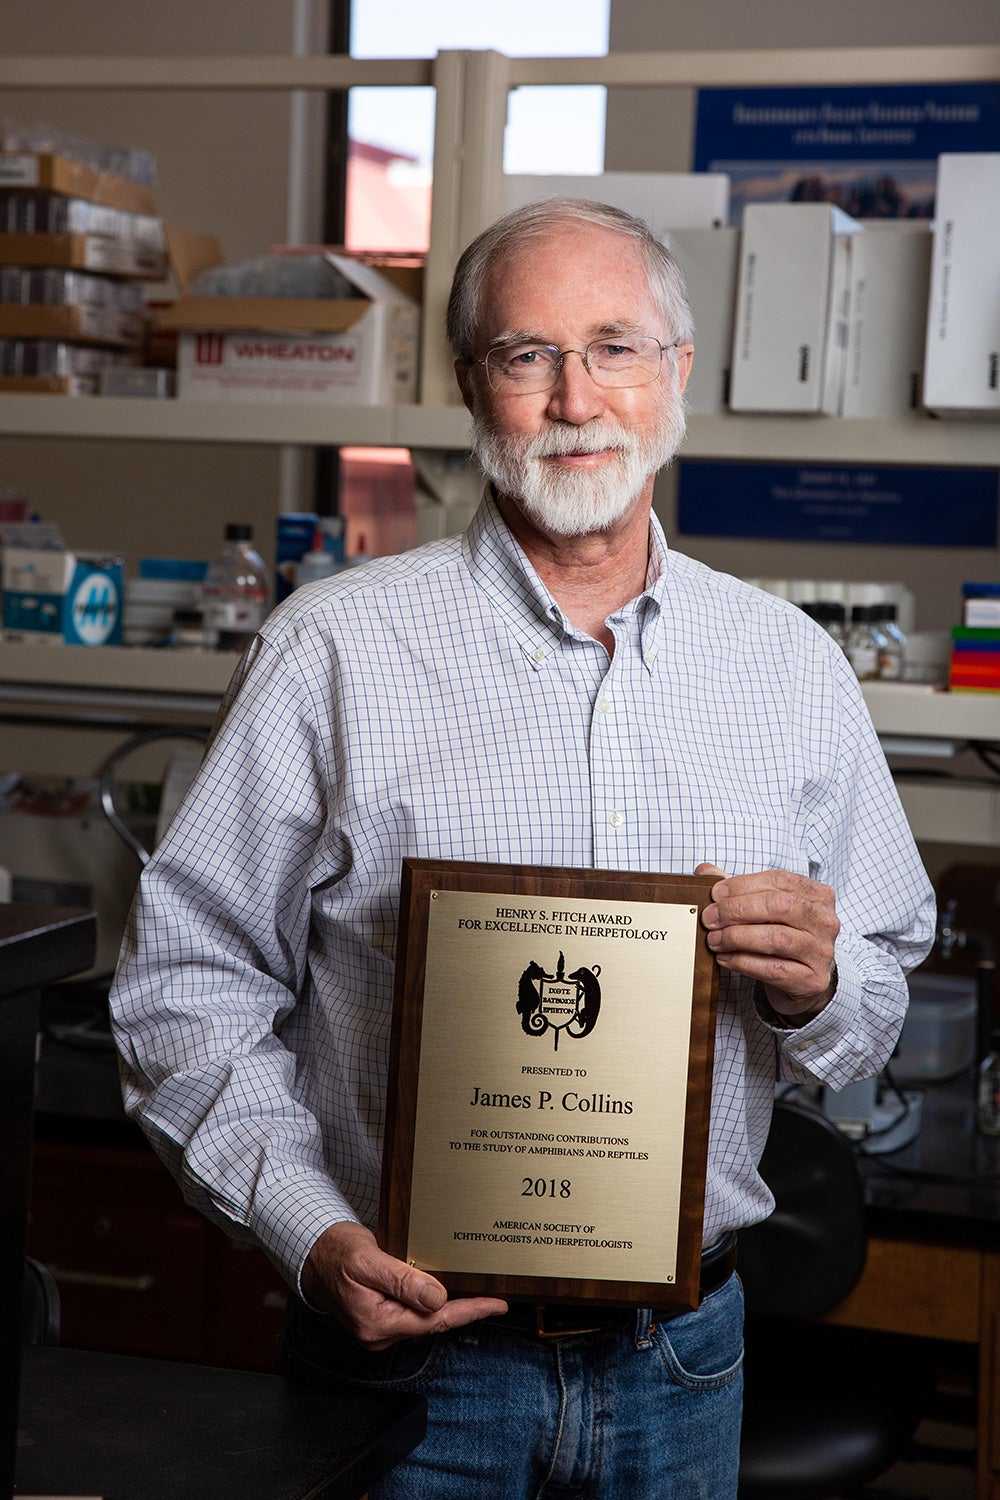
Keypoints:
pixel 962 373
pixel 792 308
pixel 709 260
pixel 890 277
pixel 350 351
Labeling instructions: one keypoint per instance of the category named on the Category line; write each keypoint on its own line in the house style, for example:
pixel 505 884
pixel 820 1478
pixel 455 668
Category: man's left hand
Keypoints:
pixel 779 928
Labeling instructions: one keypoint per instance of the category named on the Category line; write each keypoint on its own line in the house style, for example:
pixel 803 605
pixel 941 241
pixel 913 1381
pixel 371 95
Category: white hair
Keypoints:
pixel 534 221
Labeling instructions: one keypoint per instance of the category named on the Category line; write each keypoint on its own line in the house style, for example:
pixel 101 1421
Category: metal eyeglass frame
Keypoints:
pixel 561 359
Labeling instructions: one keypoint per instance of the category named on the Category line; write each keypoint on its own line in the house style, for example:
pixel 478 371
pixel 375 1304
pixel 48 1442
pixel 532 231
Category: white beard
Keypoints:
pixel 571 502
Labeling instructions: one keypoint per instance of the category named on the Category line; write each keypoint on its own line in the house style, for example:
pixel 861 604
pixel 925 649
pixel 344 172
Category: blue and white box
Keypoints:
pixel 58 597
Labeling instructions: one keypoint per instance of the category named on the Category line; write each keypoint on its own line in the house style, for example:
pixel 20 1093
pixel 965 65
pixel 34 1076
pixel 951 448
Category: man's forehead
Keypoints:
pixel 597 272
pixel 565 246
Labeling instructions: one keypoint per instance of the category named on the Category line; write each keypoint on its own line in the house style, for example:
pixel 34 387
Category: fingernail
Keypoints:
pixel 430 1295
pixel 710 916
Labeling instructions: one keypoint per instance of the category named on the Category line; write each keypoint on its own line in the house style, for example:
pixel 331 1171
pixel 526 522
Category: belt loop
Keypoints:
pixel 643 1321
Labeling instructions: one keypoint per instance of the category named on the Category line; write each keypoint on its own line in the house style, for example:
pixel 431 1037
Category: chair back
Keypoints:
pixel 40 1305
pixel 809 1254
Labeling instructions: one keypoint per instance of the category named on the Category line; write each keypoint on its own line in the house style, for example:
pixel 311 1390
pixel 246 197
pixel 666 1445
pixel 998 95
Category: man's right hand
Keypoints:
pixel 378 1298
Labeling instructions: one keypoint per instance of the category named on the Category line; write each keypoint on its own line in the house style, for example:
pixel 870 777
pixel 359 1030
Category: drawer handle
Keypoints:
pixel 141 1283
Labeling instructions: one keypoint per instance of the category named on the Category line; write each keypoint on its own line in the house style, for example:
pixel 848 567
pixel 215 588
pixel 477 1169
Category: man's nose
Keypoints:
pixel 575 397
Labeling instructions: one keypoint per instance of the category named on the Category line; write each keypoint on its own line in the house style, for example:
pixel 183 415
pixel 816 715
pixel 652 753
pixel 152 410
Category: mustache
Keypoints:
pixel 559 441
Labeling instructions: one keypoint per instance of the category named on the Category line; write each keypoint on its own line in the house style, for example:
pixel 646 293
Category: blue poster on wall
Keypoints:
pixel 872 151
pixel 839 503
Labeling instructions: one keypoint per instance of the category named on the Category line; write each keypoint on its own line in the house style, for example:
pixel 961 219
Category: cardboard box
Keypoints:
pixel 93 325
pixel 962 371
pixel 84 252
pixel 356 351
pixel 709 260
pixel 792 308
pixel 56 596
pixel 46 172
pixel 665 200
pixel 890 277
pixel 48 385
pixel 981 605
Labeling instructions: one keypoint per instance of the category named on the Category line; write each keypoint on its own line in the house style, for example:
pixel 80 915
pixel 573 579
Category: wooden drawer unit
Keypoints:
pixel 138 1271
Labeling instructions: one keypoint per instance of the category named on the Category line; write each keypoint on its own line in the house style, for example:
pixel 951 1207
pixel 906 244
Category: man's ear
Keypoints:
pixel 685 354
pixel 464 376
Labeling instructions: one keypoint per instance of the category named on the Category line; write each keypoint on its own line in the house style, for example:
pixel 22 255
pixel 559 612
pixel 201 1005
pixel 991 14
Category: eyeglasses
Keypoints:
pixel 522 369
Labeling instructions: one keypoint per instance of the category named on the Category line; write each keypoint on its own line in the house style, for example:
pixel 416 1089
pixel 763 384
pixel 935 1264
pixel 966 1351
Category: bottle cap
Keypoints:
pixel 824 610
pixel 238 531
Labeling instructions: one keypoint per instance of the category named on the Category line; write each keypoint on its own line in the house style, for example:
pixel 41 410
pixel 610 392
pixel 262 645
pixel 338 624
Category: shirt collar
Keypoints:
pixel 502 570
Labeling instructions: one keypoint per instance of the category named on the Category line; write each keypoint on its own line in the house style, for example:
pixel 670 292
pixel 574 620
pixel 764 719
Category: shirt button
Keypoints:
pixel 616 819
pixel 539 655
pixel 604 705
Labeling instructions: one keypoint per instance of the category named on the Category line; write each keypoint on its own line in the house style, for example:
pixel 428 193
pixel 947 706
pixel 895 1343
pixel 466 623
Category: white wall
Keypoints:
pixel 652 129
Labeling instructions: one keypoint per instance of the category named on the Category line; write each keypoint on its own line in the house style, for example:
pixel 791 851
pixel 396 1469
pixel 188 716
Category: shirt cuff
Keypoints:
pixel 820 1041
pixel 289 1218
pixel 777 1020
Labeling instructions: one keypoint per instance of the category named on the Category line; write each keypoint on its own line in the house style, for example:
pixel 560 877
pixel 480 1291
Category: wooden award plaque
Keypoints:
pixel 550 1082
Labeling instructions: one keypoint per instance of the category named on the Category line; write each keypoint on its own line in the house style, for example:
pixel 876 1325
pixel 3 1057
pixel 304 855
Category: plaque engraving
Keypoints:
pixel 550 1082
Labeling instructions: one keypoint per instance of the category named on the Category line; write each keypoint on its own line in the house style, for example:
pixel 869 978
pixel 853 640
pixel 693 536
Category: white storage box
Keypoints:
pixel 664 200
pixel 962 373
pixel 890 279
pixel 709 260
pixel 792 308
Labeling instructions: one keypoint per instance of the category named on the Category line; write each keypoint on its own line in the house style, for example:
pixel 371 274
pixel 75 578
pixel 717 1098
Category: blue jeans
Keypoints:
pixel 637 1414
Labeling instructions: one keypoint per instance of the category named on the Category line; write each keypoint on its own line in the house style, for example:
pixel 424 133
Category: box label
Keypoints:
pixel 92 613
pixel 339 366
pixel 18 171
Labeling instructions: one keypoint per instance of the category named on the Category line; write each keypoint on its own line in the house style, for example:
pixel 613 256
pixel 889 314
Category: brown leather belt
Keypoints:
pixel 561 1320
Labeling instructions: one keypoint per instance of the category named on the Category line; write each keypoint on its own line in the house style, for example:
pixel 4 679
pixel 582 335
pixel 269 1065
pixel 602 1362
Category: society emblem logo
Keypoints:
pixel 559 1002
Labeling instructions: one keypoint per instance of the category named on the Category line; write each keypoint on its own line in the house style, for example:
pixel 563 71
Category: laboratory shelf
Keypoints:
pixel 918 439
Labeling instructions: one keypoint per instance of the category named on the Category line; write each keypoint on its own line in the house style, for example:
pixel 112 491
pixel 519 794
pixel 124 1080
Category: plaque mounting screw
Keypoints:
pixel 435 895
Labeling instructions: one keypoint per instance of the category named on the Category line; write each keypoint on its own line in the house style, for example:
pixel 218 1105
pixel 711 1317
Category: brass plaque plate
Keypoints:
pixel 550 1082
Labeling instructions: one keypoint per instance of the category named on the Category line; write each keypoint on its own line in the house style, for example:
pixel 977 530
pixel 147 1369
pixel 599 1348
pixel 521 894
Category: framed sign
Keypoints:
pixel 550 1082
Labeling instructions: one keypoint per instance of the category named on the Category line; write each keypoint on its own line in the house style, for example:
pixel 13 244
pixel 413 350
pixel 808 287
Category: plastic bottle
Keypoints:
pixel 360 557
pixel 893 649
pixel 988 1090
pixel 236 592
pixel 864 642
pixel 319 563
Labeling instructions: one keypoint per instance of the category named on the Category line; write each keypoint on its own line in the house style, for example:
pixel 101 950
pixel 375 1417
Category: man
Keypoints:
pixel 554 688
